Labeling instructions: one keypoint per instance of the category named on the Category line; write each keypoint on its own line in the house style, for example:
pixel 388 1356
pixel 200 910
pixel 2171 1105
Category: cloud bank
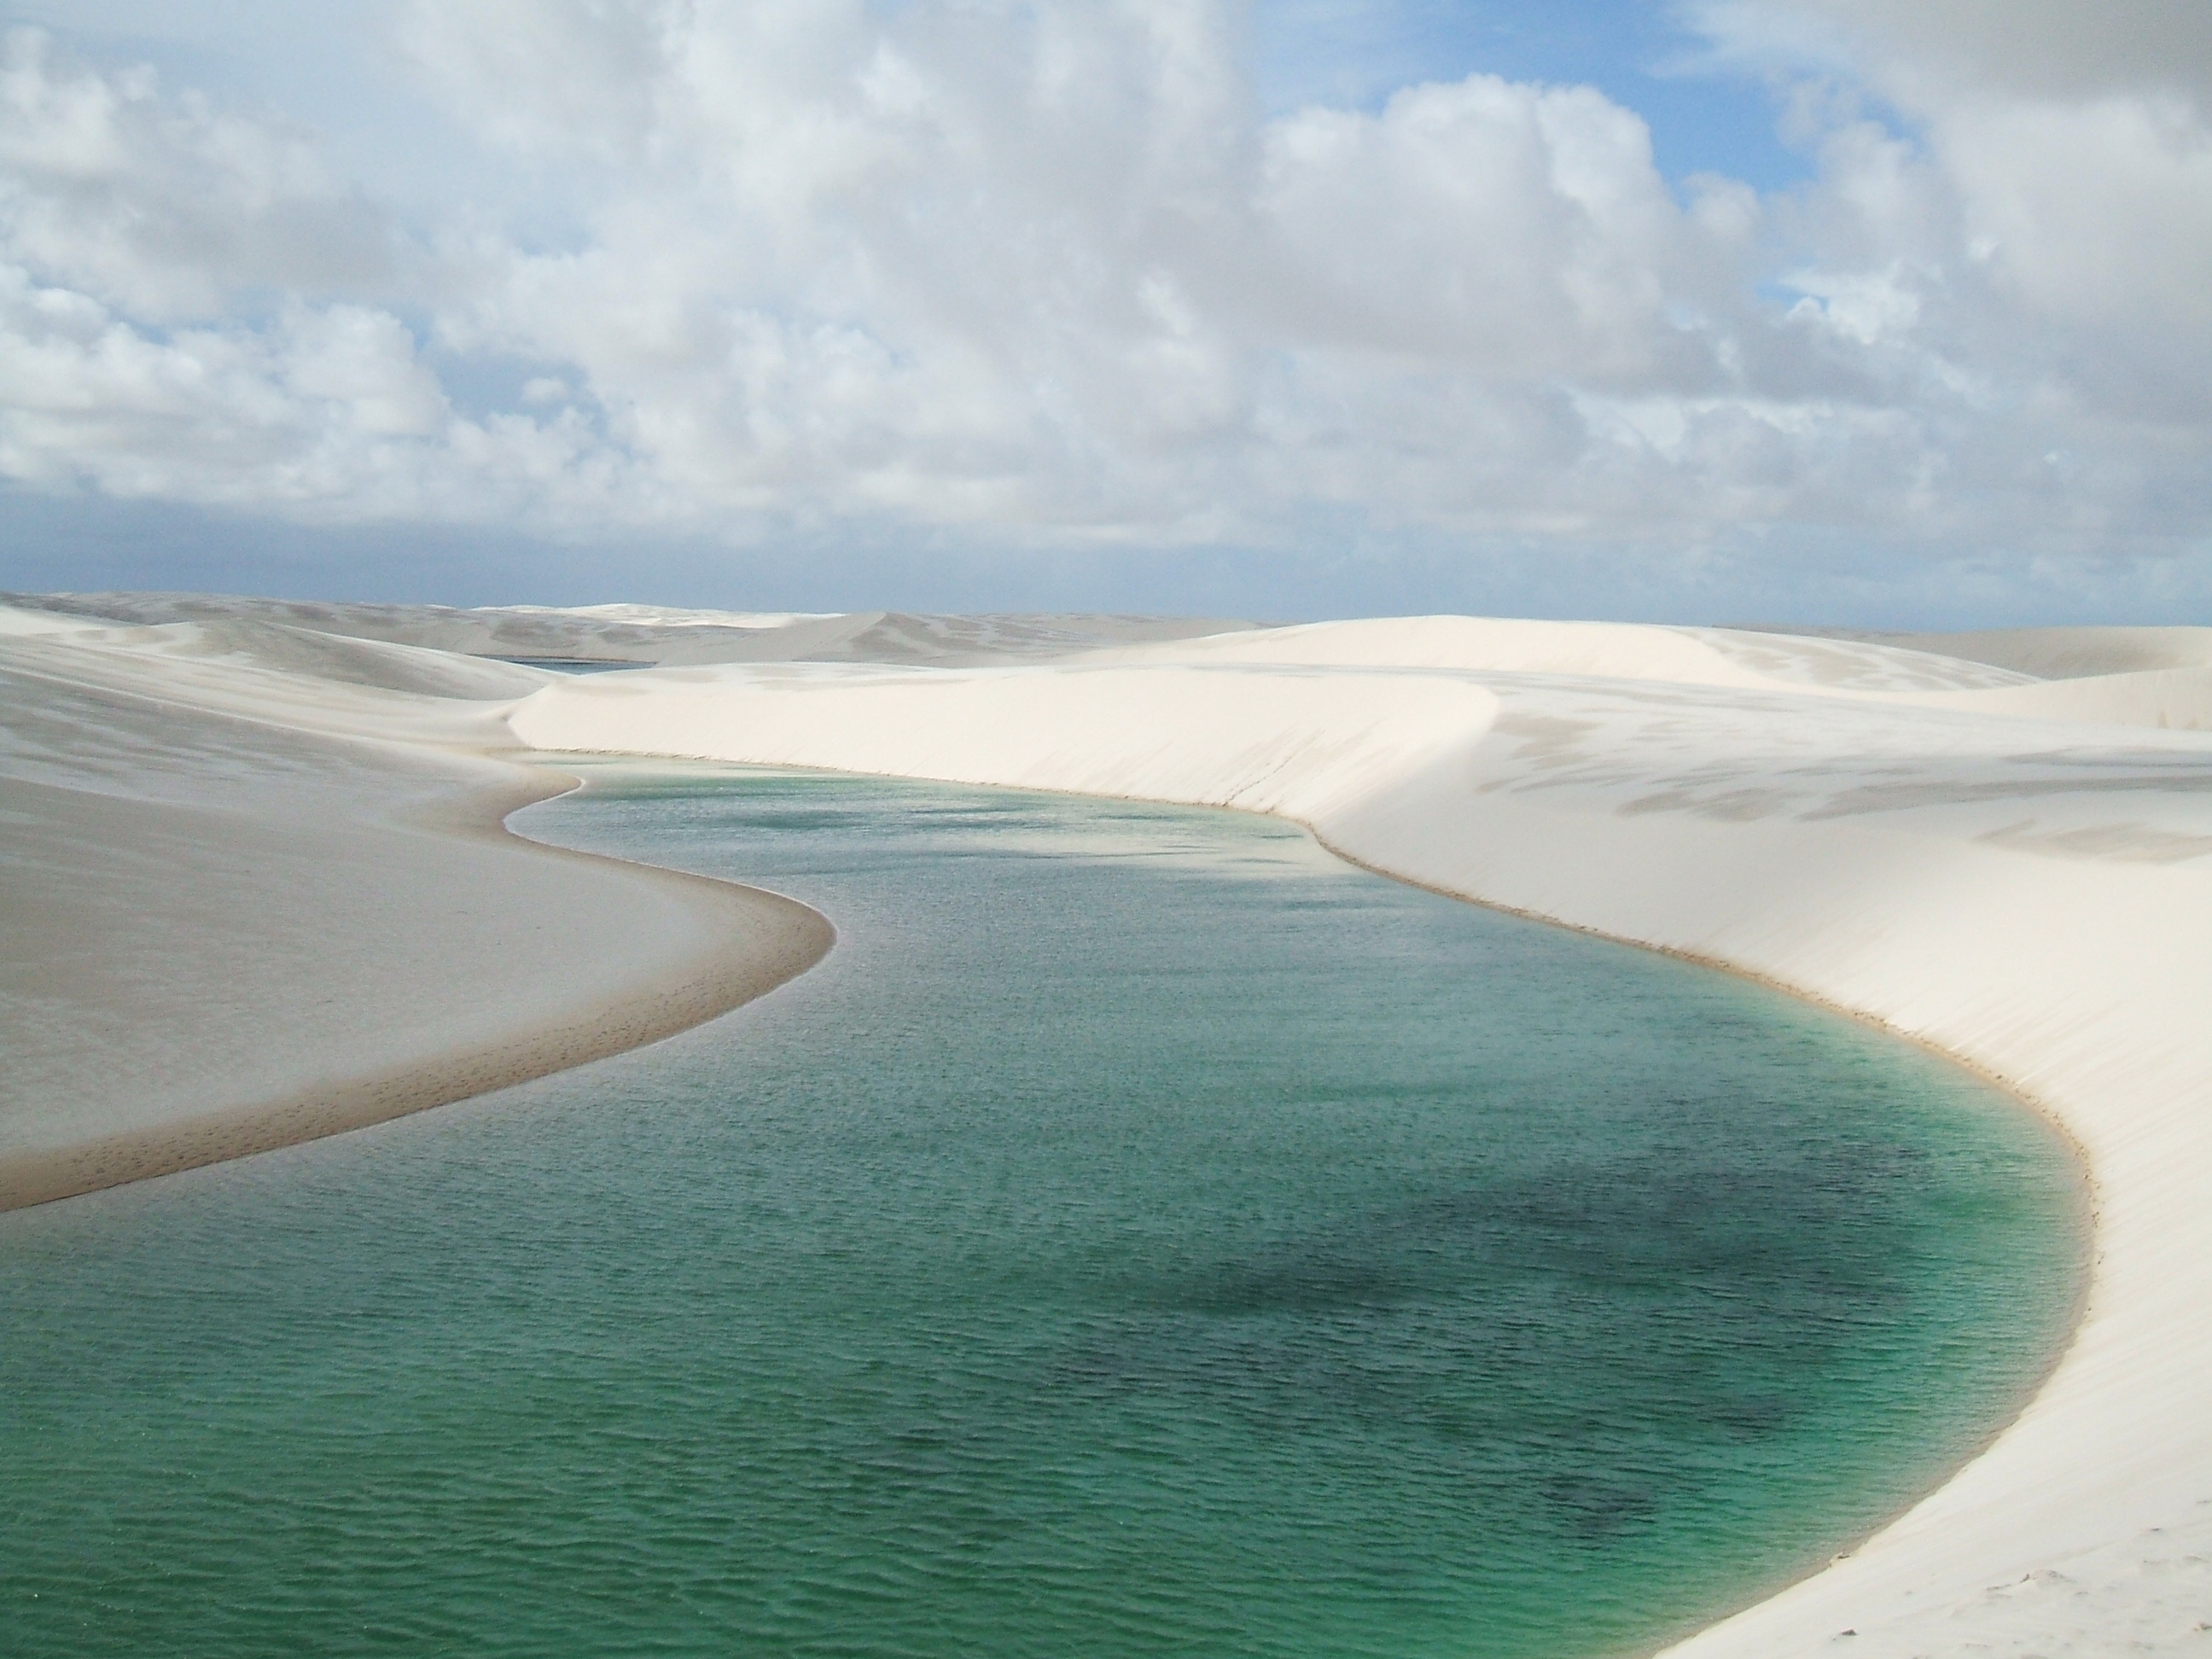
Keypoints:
pixel 1045 276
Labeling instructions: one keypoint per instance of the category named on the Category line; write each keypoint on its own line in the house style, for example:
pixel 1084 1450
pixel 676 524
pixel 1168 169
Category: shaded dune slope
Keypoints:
pixel 225 934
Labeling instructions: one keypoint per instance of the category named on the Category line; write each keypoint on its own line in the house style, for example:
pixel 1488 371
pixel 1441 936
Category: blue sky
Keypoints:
pixel 1302 307
pixel 1705 116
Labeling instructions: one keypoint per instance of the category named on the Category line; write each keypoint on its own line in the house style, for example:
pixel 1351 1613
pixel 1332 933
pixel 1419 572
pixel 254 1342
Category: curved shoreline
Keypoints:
pixel 2047 1116
pixel 761 940
pixel 2013 893
pixel 2086 1220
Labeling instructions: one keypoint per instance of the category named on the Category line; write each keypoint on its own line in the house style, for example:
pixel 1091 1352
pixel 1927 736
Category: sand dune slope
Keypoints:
pixel 639 633
pixel 1955 848
pixel 2058 653
pixel 243 905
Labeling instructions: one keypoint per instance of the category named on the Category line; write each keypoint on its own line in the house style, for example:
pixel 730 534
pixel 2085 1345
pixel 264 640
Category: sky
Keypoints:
pixel 1885 313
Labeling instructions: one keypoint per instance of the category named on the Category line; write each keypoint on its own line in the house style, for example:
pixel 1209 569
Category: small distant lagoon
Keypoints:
pixel 1143 1235
pixel 576 665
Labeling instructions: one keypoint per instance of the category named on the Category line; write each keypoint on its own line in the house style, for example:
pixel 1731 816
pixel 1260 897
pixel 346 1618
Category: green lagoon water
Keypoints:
pixel 1143 1235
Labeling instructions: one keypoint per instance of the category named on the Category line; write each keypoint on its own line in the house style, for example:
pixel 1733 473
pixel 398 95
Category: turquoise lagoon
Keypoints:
pixel 1143 1235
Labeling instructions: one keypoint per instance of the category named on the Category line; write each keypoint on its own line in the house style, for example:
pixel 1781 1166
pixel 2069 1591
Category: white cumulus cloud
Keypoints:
pixel 1047 273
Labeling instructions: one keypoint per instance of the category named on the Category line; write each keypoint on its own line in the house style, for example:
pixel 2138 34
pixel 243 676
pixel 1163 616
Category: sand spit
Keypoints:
pixel 2003 851
pixel 245 905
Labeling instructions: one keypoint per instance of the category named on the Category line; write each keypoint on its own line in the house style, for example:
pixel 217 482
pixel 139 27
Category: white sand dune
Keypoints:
pixel 246 903
pixel 2009 865
pixel 641 633
pixel 2060 653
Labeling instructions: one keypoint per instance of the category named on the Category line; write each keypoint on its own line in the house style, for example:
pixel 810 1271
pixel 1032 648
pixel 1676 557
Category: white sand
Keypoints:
pixel 1953 848
pixel 2004 850
pixel 245 903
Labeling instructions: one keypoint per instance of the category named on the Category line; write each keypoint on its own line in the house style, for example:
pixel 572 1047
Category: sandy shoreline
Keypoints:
pixel 225 934
pixel 764 939
pixel 2084 1219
